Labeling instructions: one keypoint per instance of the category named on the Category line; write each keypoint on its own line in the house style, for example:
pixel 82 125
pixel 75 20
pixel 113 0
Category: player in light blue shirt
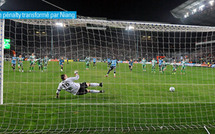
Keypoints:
pixel 112 67
pixel 160 64
pixel 61 61
pixel 13 62
pixel 94 61
pixel 130 64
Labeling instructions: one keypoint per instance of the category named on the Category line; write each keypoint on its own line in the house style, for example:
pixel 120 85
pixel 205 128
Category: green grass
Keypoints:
pixel 133 101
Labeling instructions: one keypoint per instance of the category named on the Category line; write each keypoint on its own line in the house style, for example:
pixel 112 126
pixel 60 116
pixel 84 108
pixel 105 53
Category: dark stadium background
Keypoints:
pixel 139 10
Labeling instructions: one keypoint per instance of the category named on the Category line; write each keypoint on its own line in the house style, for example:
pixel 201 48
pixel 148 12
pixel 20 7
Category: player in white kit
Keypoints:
pixel 70 86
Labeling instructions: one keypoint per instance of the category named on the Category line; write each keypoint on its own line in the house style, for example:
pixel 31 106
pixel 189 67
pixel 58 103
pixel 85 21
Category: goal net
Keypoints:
pixel 151 58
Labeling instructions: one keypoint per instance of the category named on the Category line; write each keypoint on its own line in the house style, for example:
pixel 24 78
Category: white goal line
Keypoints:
pixel 193 84
pixel 146 103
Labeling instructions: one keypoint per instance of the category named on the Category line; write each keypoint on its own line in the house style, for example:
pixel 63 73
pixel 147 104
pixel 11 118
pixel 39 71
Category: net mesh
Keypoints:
pixel 138 98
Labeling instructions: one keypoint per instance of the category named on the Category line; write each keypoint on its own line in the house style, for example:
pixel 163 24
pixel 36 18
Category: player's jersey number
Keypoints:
pixel 67 86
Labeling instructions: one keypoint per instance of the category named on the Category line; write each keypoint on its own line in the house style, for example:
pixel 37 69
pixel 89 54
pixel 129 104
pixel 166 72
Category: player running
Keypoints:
pixel 183 67
pixel 61 61
pixel 174 67
pixel 153 65
pixel 94 61
pixel 87 61
pixel 160 64
pixel 13 62
pixel 144 64
pixel 40 64
pixel 130 64
pixel 20 63
pixel 70 86
pixel 112 67
pixel 45 60
pixel 163 66
pixel 32 62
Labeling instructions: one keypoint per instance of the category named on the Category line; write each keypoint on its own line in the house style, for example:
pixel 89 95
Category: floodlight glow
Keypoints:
pixel 194 11
pixel 201 7
pixel 59 24
pixel 211 2
pixel 186 15
pixel 130 28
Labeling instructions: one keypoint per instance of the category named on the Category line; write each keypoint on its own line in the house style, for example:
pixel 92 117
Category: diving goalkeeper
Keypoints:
pixel 70 86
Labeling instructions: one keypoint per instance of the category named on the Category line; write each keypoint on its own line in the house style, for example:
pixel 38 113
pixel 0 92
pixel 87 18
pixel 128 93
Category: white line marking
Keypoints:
pixel 206 130
pixel 193 84
pixel 109 103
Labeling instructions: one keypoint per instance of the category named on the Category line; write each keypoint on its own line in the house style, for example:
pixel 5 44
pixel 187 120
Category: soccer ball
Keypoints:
pixel 171 89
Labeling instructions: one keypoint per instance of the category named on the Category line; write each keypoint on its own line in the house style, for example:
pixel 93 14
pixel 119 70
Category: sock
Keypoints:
pixel 94 84
pixel 108 72
pixel 94 91
pixel 32 68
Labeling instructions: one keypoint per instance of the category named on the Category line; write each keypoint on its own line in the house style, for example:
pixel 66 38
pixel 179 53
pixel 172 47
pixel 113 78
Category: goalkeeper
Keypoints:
pixel 70 86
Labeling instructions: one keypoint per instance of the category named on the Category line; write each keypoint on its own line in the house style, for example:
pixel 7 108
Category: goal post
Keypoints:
pixel 1 58
pixel 137 93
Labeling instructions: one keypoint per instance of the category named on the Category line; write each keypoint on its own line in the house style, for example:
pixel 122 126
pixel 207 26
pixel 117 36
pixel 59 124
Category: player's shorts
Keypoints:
pixel 13 64
pixel 82 89
pixel 130 66
pixel 144 66
pixel 87 65
pixel 31 63
pixel 45 64
pixel 173 69
pixel 20 64
pixel 61 64
pixel 112 67
pixel 94 62
pixel 153 67
pixel 183 67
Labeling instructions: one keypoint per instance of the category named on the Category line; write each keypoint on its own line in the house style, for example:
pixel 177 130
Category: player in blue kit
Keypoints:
pixel 130 64
pixel 61 61
pixel 160 64
pixel 94 61
pixel 112 67
pixel 13 62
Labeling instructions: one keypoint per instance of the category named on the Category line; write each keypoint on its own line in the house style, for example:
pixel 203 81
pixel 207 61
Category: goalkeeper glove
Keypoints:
pixel 76 72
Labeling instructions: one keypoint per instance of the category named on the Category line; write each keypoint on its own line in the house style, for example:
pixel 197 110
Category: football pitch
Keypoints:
pixel 133 101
